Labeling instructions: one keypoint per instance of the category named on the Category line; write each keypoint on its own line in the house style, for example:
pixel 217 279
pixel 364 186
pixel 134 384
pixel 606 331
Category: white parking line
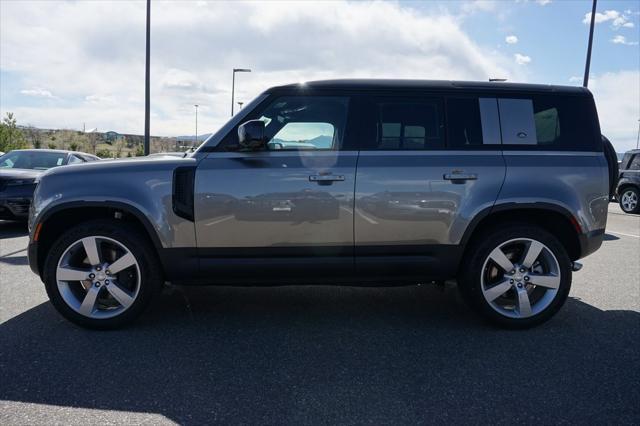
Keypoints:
pixel 224 219
pixel 622 233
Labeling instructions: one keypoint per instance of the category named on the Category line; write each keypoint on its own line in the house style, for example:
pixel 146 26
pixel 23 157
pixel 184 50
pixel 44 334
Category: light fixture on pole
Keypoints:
pixel 233 84
pixel 196 105
pixel 240 103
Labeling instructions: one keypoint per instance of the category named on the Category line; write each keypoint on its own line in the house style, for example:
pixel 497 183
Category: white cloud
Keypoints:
pixel 37 92
pixel 522 59
pixel 619 39
pixel 511 39
pixel 543 2
pixel 616 95
pixel 100 99
pixel 92 67
pixel 576 79
pixel 479 6
pixel 618 20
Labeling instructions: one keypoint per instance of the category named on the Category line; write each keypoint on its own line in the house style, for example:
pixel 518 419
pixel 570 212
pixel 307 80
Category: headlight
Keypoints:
pixel 18 182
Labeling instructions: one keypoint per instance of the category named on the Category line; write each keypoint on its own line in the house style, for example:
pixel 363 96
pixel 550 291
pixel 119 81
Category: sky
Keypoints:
pixel 69 64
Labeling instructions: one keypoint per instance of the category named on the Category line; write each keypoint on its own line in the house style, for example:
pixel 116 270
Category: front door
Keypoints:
pixel 286 210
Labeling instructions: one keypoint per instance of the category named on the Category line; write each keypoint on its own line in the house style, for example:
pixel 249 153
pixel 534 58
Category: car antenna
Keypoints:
pixel 500 80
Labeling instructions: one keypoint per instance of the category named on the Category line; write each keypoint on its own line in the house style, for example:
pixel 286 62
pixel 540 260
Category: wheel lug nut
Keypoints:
pixel 513 271
pixel 92 276
pixel 519 285
pixel 522 269
pixel 106 282
pixel 526 278
pixel 511 281
pixel 98 268
pixel 97 284
pixel 108 272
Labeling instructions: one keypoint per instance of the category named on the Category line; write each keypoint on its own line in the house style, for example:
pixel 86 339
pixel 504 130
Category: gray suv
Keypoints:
pixel 362 182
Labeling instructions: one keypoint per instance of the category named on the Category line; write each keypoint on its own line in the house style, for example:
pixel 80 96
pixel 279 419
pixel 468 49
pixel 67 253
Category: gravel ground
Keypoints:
pixel 326 354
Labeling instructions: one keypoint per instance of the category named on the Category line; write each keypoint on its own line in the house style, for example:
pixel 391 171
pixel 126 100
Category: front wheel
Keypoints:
pixel 101 274
pixel 517 277
pixel 630 200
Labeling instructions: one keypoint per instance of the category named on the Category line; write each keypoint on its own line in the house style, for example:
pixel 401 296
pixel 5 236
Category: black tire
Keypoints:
pixel 150 270
pixel 634 190
pixel 612 165
pixel 470 284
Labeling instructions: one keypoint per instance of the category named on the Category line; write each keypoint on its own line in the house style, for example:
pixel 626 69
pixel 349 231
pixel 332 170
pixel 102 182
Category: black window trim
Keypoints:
pixel 349 138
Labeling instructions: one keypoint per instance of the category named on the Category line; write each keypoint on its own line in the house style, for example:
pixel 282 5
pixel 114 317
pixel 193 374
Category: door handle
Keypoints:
pixel 326 178
pixel 460 176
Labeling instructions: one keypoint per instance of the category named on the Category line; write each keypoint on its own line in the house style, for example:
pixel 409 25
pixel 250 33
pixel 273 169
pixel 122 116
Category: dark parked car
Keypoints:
pixel 19 173
pixel 628 191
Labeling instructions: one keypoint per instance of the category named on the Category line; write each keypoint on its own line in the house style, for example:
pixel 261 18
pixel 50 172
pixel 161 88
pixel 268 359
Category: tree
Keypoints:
pixel 33 136
pixel 51 145
pixel 104 153
pixel 74 146
pixel 11 136
pixel 93 140
pixel 120 143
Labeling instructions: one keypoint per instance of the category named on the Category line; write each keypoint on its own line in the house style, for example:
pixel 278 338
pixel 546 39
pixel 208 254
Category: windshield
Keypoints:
pixel 32 160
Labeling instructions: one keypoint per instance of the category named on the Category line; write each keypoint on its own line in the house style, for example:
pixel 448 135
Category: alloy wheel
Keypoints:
pixel 520 278
pixel 629 201
pixel 98 277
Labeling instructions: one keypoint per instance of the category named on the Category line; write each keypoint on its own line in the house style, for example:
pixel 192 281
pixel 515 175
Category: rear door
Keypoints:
pixel 287 210
pixel 419 183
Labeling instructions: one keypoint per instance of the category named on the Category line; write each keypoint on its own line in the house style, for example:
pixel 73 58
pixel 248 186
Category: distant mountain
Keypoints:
pixel 192 138
pixel 319 141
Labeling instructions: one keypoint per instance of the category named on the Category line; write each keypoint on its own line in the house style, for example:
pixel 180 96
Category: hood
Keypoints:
pixel 20 173
pixel 138 164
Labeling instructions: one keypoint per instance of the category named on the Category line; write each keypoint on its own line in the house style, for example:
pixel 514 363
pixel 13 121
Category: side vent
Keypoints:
pixel 182 195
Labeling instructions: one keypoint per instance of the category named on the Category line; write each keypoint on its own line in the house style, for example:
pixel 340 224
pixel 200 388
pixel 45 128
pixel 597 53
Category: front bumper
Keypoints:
pixel 14 208
pixel 15 202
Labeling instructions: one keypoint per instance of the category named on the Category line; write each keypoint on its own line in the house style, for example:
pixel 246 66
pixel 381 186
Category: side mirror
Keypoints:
pixel 251 134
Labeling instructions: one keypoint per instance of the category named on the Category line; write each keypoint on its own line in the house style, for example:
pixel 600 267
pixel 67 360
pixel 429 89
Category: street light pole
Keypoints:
pixel 233 84
pixel 585 83
pixel 147 89
pixel 196 105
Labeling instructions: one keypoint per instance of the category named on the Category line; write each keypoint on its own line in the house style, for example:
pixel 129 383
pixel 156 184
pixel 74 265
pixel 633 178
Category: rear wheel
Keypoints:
pixel 517 277
pixel 630 200
pixel 101 274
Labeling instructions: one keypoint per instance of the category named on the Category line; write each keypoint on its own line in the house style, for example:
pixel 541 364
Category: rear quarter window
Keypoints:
pixel 550 122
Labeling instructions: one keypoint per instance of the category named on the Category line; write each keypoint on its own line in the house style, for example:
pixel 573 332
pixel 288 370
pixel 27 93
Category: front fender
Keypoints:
pixel 144 190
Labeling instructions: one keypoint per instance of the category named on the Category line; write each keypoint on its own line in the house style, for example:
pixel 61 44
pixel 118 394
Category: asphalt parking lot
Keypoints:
pixel 326 354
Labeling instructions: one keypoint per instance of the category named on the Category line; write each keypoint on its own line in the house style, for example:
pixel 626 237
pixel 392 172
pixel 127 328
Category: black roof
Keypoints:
pixel 382 84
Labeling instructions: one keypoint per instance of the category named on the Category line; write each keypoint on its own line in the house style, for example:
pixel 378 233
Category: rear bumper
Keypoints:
pixel 590 242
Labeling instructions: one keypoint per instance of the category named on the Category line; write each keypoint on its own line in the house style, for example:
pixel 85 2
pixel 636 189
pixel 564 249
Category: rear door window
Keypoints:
pixel 472 122
pixel 404 124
